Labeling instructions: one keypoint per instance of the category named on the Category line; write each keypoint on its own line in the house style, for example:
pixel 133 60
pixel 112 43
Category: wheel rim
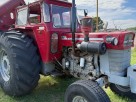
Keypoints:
pixel 4 66
pixel 123 88
pixel 79 99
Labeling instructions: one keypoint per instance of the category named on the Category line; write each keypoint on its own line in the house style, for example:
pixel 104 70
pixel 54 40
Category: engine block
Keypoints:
pixel 80 67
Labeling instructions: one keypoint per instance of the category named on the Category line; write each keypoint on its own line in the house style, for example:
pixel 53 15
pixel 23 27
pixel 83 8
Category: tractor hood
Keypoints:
pixel 124 39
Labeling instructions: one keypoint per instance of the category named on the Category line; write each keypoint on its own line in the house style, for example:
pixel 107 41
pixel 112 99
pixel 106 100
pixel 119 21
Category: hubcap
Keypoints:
pixel 79 99
pixel 4 66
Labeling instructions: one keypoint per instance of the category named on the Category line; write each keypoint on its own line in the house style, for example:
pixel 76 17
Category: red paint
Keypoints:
pixel 43 37
pixel 120 35
pixel 5 9
pixel 86 25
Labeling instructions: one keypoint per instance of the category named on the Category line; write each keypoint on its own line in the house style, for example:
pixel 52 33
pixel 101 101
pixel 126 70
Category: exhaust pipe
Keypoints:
pixel 73 24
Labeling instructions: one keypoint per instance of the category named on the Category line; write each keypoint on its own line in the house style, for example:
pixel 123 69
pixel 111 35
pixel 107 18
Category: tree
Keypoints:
pixel 133 28
pixel 100 23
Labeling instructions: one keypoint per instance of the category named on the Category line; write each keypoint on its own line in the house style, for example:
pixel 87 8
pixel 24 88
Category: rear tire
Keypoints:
pixel 19 64
pixel 122 91
pixel 85 91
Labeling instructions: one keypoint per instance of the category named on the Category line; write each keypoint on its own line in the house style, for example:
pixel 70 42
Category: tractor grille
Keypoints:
pixel 119 61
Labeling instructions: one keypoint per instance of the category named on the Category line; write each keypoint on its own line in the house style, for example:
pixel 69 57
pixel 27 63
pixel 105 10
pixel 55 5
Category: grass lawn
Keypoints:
pixel 53 89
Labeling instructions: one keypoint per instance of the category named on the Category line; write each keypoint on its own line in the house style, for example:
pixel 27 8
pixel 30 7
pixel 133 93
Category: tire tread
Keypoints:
pixel 25 60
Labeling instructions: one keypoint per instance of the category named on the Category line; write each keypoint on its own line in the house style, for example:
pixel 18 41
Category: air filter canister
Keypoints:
pixel 93 47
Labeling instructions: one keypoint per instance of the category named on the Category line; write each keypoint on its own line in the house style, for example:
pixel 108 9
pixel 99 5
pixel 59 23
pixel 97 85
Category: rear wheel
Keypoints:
pixel 19 64
pixel 5 66
pixel 85 91
pixel 122 91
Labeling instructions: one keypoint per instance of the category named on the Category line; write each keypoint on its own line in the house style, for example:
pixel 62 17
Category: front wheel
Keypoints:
pixel 85 91
pixel 19 64
pixel 122 91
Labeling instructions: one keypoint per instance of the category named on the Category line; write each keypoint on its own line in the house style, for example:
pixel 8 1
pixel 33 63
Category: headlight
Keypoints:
pixel 54 43
pixel 112 40
pixel 115 41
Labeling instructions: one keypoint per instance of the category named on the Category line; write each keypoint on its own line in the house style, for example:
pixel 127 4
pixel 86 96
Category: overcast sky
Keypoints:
pixel 120 12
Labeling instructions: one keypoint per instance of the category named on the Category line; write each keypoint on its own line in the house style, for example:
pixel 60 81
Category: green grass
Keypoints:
pixel 133 57
pixel 53 90
pixel 49 90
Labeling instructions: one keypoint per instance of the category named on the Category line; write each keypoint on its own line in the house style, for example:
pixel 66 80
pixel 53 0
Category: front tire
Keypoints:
pixel 85 91
pixel 19 64
pixel 122 91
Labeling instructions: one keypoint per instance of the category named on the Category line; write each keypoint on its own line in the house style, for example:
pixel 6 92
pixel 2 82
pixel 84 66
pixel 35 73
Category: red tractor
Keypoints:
pixel 46 38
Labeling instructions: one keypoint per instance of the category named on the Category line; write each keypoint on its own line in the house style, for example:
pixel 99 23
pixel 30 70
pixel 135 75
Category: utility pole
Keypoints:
pixel 97 21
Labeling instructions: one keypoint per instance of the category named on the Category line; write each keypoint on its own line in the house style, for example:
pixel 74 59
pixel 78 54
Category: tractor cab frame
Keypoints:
pixel 46 21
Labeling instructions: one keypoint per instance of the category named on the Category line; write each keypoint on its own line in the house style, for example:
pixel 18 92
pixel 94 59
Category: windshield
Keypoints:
pixel 61 16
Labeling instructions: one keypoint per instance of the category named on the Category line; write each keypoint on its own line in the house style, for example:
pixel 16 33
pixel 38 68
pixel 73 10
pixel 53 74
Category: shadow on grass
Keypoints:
pixel 53 90
pixel 49 90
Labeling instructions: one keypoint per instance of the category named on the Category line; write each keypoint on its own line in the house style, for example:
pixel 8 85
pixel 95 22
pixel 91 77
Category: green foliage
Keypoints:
pixel 133 28
pixel 133 57
pixel 100 23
